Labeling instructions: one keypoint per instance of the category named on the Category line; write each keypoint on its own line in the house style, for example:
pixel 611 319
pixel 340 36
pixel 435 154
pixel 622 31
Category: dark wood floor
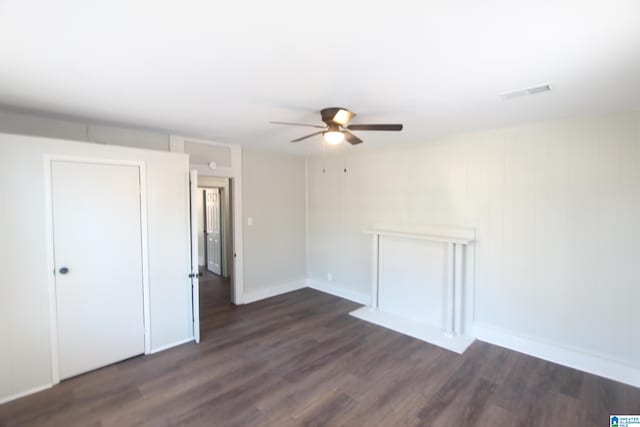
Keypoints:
pixel 300 359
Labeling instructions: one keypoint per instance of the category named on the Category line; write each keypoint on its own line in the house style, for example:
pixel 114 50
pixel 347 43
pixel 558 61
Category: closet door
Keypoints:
pixel 98 264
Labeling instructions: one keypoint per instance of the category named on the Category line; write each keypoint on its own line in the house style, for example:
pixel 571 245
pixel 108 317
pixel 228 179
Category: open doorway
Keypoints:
pixel 215 251
pixel 215 225
pixel 209 162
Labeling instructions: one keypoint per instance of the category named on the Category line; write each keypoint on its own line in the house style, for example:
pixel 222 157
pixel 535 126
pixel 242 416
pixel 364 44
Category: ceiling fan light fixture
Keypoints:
pixel 333 137
pixel 336 130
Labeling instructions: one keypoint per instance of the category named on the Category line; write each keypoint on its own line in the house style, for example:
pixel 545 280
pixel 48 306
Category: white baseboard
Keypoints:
pixel 168 346
pixel 6 399
pixel 339 291
pixel 273 290
pixel 574 358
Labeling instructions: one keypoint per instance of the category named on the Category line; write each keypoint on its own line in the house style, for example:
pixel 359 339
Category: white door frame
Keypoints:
pixel 51 280
pixel 176 144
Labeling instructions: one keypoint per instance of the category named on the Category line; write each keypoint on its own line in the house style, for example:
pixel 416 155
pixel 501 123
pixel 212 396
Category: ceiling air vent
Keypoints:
pixel 525 92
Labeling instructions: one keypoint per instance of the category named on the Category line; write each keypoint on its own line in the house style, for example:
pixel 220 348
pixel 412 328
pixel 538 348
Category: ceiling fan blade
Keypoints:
pixel 307 136
pixel 351 138
pixel 297 124
pixel 375 127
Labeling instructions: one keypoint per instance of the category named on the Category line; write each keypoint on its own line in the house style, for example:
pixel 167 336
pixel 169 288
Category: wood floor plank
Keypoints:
pixel 300 359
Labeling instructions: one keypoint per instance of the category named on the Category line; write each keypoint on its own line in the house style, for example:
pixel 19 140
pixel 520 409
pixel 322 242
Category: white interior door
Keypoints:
pixel 98 264
pixel 195 281
pixel 212 214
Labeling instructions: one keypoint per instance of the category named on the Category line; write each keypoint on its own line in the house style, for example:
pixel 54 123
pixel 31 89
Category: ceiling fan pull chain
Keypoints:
pixel 344 159
pixel 324 170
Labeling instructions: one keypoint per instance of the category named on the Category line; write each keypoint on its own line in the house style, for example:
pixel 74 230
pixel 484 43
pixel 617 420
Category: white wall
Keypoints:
pixel 275 245
pixel 24 306
pixel 556 207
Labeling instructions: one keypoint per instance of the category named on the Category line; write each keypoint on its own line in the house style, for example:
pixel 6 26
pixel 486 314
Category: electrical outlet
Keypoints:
pixel 329 276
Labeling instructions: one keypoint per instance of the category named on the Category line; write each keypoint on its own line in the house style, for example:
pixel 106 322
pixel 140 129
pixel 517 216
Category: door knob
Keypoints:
pixel 63 270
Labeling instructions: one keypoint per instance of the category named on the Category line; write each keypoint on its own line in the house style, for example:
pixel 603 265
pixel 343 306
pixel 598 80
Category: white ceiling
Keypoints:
pixel 222 70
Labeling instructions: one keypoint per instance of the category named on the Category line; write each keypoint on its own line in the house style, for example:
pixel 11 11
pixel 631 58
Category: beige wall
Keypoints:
pixel 556 207
pixel 274 197
pixel 25 124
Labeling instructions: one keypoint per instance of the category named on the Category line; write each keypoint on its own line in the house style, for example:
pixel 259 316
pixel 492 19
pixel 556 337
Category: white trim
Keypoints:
pixel 175 344
pixel 458 271
pixel 448 307
pixel 572 357
pixel 25 393
pixel 421 331
pixel 51 281
pixel 274 290
pixel 339 291
pixel 434 233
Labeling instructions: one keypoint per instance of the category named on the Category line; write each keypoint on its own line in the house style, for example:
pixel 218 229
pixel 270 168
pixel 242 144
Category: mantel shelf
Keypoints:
pixel 462 236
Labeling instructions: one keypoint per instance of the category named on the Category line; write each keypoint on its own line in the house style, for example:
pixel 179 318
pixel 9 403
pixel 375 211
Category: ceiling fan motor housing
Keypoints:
pixel 328 115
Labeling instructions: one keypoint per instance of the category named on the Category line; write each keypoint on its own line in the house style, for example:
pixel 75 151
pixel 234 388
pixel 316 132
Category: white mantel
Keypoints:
pixel 434 233
pixel 449 332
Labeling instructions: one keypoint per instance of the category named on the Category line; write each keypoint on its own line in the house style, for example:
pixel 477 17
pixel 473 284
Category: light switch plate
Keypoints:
pixel 250 221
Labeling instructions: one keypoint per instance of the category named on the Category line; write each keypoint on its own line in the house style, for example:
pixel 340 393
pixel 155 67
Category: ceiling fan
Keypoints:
pixel 336 127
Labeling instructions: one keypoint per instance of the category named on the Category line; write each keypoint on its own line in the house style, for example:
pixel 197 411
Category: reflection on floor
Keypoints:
pixel 215 301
